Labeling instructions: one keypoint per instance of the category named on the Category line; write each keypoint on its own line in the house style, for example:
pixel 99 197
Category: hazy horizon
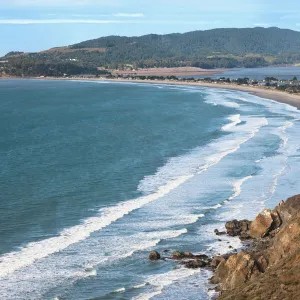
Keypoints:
pixel 35 25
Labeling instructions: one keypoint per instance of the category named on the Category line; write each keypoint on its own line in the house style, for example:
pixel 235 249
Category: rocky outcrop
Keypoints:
pixel 238 228
pixel 286 241
pixel 287 209
pixel 181 255
pixel 269 268
pixel 216 261
pixel 217 232
pixel 196 263
pixel 154 255
pixel 264 223
pixel 188 259
pixel 235 270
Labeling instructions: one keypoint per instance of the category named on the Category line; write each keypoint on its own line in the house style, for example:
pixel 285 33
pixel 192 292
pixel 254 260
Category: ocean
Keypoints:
pixel 282 73
pixel 95 175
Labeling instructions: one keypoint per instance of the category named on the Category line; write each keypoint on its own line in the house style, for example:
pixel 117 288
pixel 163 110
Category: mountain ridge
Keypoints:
pixel 214 48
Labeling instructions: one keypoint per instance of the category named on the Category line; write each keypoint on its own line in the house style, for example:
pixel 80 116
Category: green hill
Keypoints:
pixel 247 47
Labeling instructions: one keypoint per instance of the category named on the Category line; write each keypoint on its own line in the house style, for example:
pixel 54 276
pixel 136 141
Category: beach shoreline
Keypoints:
pixel 129 85
pixel 262 92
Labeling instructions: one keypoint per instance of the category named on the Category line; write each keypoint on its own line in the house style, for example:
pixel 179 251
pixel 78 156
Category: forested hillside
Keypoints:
pixel 217 48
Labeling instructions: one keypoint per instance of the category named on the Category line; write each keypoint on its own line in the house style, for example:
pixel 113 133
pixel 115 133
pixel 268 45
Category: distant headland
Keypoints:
pixel 210 50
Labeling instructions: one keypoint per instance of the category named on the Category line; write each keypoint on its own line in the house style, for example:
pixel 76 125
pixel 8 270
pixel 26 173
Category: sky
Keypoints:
pixel 35 25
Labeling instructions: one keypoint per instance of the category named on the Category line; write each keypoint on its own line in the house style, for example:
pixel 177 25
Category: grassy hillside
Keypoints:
pixel 248 47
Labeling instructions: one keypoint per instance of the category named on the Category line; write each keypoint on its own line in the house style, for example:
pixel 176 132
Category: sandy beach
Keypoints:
pixel 262 92
pixel 280 96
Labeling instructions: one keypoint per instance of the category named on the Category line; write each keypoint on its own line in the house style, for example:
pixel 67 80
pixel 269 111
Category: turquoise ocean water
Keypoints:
pixel 95 175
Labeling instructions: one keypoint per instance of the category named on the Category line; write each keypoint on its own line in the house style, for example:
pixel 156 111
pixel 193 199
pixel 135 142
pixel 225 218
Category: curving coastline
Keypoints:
pixel 236 118
pixel 262 92
pixel 267 267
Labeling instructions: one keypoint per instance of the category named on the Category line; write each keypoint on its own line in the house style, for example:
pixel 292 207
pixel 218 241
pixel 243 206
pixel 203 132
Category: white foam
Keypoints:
pixel 121 290
pixel 271 105
pixel 147 296
pixel 166 222
pixel 34 251
pixel 217 98
pixel 160 281
pixel 218 244
pixel 283 130
pixel 176 172
pixel 209 207
pixel 237 187
pixel 200 159
pixel 144 240
pixel 138 286
pixel 91 273
pixel 223 97
pixel 212 294
pixel 235 120
pixel 64 268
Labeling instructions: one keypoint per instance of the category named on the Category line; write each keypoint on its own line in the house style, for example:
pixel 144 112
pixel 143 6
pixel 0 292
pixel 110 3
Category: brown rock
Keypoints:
pixel 217 260
pixel 276 219
pixel 178 255
pixel 287 240
pixel 262 224
pixel 188 255
pixel 154 255
pixel 195 264
pixel 270 267
pixel 183 255
pixel 202 256
pixel 262 263
pixel 238 228
pixel 236 270
pixel 217 232
pixel 288 208
pixel 277 259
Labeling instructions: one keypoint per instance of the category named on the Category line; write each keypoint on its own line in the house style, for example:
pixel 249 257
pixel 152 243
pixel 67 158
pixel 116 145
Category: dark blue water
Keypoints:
pixel 95 175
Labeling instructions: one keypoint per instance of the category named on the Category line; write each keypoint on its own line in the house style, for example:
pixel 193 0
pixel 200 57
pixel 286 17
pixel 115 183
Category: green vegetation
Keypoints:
pixel 12 53
pixel 30 68
pixel 217 48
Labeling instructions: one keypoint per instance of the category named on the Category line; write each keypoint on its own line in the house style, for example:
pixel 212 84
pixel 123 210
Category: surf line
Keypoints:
pixel 35 251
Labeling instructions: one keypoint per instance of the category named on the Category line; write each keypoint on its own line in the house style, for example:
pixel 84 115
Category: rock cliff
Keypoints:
pixel 270 267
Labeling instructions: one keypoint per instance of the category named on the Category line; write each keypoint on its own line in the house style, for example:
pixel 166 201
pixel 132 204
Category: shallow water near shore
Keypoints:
pixel 94 175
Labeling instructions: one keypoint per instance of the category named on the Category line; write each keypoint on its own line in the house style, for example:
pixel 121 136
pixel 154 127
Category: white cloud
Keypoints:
pixel 56 3
pixel 98 21
pixel 59 21
pixel 137 15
